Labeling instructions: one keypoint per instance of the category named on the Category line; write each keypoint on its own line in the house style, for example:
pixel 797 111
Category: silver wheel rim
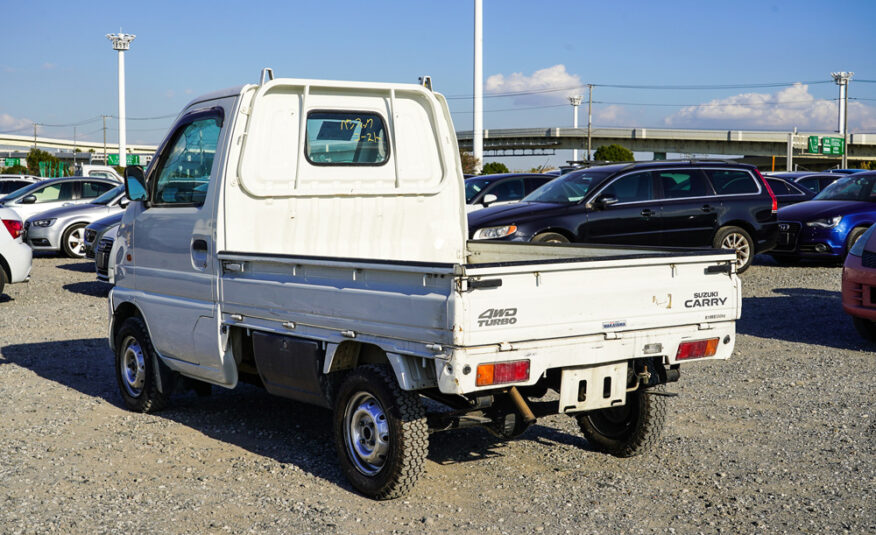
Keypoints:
pixel 738 243
pixel 133 367
pixel 366 433
pixel 76 241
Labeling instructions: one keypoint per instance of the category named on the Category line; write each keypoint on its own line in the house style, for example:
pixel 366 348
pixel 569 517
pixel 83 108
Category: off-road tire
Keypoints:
pixel 629 430
pixel 866 328
pixel 549 237
pixel 739 240
pixel 79 229
pixel 137 376
pixel 406 439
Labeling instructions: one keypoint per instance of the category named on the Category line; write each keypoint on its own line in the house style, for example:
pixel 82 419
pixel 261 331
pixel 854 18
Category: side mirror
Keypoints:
pixel 135 183
pixel 123 202
pixel 30 199
pixel 604 201
pixel 489 199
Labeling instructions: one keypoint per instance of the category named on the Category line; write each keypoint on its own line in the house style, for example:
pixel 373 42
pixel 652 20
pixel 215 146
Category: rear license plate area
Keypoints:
pixel 594 387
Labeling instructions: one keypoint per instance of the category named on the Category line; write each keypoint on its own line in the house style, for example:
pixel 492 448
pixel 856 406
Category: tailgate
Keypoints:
pixel 519 302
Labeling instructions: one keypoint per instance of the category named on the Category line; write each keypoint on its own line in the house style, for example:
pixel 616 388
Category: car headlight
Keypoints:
pixel 43 222
pixel 825 222
pixel 491 233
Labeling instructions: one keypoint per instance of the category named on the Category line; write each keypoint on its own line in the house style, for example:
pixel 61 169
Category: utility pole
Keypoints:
pixel 575 101
pixel 842 80
pixel 74 148
pixel 589 119
pixel 35 134
pixel 478 127
pixel 121 43
pixel 105 159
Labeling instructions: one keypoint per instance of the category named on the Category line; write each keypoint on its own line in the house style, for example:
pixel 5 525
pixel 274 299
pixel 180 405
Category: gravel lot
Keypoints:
pixel 779 439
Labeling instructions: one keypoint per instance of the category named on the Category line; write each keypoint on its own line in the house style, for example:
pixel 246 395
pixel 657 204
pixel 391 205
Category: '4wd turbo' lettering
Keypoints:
pixel 705 299
pixel 497 316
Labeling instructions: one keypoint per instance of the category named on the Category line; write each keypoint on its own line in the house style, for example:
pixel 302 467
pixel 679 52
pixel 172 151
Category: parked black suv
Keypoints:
pixel 691 203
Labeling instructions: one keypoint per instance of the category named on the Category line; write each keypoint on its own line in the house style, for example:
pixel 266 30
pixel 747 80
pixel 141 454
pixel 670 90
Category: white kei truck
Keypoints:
pixel 311 237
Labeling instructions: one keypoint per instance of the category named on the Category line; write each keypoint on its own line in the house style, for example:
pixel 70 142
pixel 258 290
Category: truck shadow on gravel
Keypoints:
pixel 248 417
pixel 801 315
pixel 90 288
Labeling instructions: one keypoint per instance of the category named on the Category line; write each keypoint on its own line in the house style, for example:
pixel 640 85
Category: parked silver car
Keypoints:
pixel 95 231
pixel 64 228
pixel 54 193
pixel 11 183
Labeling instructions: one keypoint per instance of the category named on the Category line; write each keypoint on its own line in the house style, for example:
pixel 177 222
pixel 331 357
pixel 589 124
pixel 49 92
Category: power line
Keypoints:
pixel 782 104
pixel 649 87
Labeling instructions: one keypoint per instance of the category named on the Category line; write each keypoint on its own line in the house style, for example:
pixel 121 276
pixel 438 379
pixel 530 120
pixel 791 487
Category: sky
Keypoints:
pixel 760 65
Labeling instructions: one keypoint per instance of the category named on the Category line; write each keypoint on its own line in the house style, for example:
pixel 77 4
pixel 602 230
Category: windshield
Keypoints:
pixel 567 189
pixel 850 188
pixel 473 186
pixel 19 193
pixel 109 196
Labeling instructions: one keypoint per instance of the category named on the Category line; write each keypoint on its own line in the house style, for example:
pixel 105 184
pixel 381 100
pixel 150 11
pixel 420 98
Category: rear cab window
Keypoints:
pixel 346 138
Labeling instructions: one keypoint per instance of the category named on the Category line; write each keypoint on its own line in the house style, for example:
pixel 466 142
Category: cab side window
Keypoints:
pixel 184 173
pixel 631 188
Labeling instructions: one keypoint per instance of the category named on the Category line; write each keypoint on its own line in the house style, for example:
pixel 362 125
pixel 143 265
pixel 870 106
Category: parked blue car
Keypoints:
pixel 826 227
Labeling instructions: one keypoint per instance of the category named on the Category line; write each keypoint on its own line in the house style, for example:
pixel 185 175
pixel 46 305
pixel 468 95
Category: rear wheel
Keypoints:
pixel 740 241
pixel 550 237
pixel 866 328
pixel 3 280
pixel 73 241
pixel 381 434
pixel 631 429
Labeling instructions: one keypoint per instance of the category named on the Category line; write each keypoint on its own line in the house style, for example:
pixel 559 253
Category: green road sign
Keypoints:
pixel 113 159
pixel 812 148
pixel 834 146
pixel 9 162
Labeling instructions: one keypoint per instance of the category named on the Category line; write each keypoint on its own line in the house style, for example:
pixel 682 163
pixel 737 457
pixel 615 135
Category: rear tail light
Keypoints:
pixel 697 349
pixel 13 226
pixel 497 373
pixel 775 208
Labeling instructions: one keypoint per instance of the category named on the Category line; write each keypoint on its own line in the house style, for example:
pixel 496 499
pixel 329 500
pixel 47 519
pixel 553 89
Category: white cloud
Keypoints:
pixel 170 93
pixel 788 108
pixel 553 85
pixel 48 66
pixel 14 125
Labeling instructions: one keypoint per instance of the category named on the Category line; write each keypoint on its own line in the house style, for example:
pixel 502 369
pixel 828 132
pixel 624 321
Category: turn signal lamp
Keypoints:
pixel 13 226
pixel 697 349
pixel 498 373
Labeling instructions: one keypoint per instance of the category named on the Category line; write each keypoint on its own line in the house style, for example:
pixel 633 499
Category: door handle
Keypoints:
pixel 647 212
pixel 199 254
pixel 707 208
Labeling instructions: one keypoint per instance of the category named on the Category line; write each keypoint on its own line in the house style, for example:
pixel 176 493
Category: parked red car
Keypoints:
pixel 859 284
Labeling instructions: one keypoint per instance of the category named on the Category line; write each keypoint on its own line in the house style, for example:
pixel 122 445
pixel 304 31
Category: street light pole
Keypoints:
pixel 121 43
pixel 842 80
pixel 575 101
pixel 478 126
pixel 589 119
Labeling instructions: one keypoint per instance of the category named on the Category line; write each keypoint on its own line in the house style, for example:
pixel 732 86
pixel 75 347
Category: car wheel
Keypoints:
pixel 866 328
pixel 740 241
pixel 854 235
pixel 380 433
pixel 3 280
pixel 135 369
pixel 630 429
pixel 73 241
pixel 549 237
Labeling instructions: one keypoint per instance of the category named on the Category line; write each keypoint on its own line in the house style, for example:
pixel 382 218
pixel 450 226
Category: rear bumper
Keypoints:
pixel 859 289
pixel 19 257
pixel 457 375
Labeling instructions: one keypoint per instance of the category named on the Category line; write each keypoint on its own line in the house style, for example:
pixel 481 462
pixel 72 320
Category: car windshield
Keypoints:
pixel 19 193
pixel 567 189
pixel 473 186
pixel 109 196
pixel 850 188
